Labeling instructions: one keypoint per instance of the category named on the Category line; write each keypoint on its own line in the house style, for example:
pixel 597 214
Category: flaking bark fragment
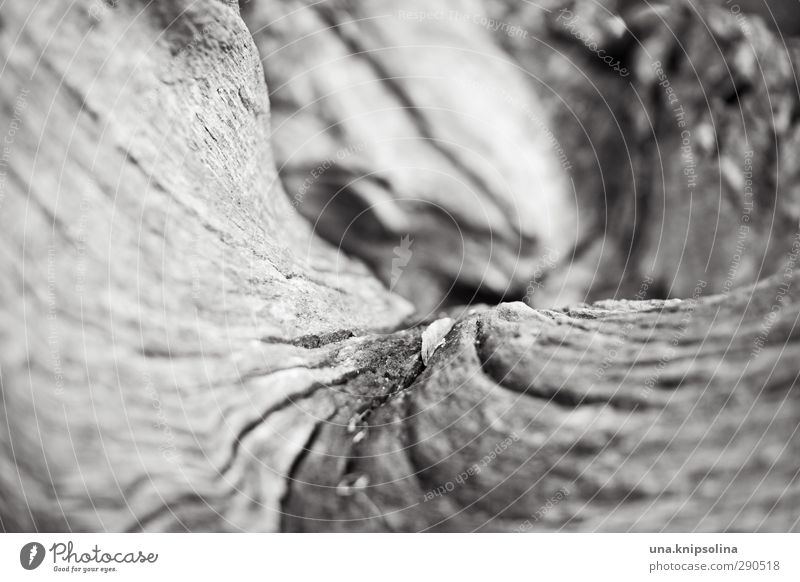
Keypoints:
pixel 433 337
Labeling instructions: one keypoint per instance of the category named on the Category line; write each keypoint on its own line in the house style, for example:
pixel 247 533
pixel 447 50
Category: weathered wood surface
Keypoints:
pixel 407 111
pixel 178 350
pixel 508 151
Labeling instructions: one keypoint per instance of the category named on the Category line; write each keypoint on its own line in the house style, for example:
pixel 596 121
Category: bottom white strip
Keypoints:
pixel 400 557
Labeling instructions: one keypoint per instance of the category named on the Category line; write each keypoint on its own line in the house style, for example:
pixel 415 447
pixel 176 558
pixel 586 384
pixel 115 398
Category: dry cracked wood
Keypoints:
pixel 148 250
pixel 179 352
pixel 625 416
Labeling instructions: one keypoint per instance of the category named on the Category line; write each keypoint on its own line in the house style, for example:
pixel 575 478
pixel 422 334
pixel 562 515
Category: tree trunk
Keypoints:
pixel 181 350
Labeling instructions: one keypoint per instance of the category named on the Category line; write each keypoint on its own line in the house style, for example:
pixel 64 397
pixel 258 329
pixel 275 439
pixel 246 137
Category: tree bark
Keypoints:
pixel 180 350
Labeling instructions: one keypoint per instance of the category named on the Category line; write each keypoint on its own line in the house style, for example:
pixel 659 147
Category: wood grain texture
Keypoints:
pixel 619 416
pixel 414 117
pixel 180 351
pixel 149 250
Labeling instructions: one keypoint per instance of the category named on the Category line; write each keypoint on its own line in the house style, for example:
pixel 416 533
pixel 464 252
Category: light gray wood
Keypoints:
pixel 179 351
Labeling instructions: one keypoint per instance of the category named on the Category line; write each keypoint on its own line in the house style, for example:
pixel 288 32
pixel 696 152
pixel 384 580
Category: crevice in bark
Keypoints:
pixel 294 470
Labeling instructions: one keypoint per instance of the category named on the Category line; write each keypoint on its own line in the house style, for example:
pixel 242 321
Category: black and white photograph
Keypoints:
pixel 457 267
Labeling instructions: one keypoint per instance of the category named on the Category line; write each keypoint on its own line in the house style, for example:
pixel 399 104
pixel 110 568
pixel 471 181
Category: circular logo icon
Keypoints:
pixel 31 555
